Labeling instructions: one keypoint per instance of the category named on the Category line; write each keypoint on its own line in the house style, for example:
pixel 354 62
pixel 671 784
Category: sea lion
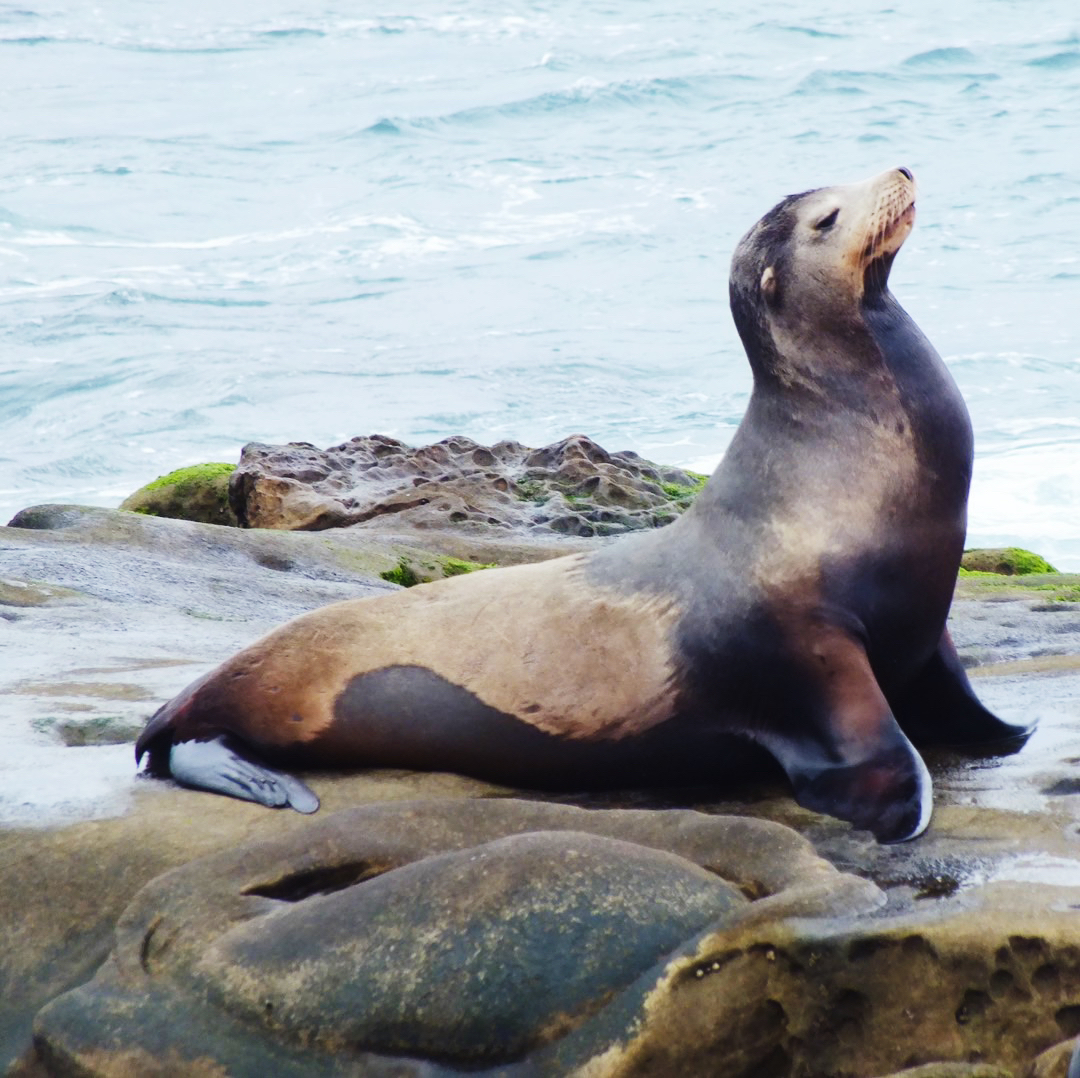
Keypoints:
pixel 798 607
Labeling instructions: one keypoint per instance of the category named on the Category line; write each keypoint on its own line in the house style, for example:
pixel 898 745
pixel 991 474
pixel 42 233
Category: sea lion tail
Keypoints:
pixel 207 760
pixel 163 726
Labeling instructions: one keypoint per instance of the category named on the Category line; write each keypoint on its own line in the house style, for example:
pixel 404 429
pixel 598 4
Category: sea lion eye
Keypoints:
pixel 827 221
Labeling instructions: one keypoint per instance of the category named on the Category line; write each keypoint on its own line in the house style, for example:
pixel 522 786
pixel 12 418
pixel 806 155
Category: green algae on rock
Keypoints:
pixel 457 566
pixel 412 570
pixel 30 593
pixel 683 494
pixel 199 493
pixel 90 730
pixel 1045 588
pixel 1005 561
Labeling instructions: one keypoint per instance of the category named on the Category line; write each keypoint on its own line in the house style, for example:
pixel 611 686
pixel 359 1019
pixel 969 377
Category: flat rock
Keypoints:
pixel 105 615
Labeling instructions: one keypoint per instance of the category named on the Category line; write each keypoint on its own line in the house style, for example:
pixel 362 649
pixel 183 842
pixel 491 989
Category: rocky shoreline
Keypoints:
pixel 781 942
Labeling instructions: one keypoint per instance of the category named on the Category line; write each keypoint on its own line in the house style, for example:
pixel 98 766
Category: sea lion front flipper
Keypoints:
pixel 857 764
pixel 939 707
pixel 217 765
pixel 889 793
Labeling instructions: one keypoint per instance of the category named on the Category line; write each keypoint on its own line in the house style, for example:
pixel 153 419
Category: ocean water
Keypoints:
pixel 281 221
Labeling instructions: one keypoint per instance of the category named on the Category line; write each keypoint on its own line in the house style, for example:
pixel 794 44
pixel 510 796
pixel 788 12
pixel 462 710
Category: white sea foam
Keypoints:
pixel 48 785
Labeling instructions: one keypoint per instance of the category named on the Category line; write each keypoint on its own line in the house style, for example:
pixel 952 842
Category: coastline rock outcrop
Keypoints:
pixel 105 614
pixel 573 487
pixel 1005 561
pixel 515 938
pixel 199 492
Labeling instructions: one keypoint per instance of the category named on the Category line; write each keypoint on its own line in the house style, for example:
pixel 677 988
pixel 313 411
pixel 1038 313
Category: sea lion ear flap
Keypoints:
pixel 770 287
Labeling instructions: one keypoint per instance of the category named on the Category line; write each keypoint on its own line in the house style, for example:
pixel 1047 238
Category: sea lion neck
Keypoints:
pixel 931 400
pixel 827 373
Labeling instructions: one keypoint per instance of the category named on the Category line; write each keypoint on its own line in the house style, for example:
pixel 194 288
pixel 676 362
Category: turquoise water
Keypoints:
pixel 230 222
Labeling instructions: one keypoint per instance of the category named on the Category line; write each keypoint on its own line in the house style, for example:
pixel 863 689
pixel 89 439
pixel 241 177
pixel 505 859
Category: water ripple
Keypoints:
pixel 226 223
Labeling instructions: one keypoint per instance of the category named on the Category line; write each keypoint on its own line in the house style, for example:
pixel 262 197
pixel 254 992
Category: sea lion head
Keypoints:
pixel 805 270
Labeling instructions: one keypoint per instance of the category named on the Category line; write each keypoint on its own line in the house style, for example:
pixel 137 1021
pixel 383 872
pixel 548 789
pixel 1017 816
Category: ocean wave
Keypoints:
pixel 1058 61
pixel 802 31
pixel 840 82
pixel 941 57
pixel 212 35
pixel 585 93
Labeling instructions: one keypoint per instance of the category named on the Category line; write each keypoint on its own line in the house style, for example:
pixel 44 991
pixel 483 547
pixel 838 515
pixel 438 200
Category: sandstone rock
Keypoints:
pixel 71 884
pixel 572 488
pixel 396 935
pixel 110 613
pixel 1056 1062
pixel 464 933
pixel 953 1070
pixel 803 998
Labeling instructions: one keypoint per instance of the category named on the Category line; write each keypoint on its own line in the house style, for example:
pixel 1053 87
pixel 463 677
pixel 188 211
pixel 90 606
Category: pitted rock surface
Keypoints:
pixel 573 487
pixel 515 938
pixel 105 614
pixel 454 933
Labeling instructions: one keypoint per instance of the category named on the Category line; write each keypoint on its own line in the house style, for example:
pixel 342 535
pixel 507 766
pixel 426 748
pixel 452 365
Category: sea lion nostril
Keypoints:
pixel 906 172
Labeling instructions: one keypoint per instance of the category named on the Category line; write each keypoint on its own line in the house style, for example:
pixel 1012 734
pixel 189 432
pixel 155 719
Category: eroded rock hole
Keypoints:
pixel 918 945
pixel 1068 1020
pixel 973 1005
pixel 318 881
pixel 850 1008
pixel 865 948
pixel 275 561
pixel 777 1064
pixel 1029 947
pixel 1046 978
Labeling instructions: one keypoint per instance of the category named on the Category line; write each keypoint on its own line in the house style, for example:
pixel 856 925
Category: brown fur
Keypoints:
pixel 534 641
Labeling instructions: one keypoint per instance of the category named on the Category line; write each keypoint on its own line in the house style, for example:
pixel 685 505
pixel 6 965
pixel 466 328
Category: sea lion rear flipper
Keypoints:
pixel 857 764
pixel 939 707
pixel 217 765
